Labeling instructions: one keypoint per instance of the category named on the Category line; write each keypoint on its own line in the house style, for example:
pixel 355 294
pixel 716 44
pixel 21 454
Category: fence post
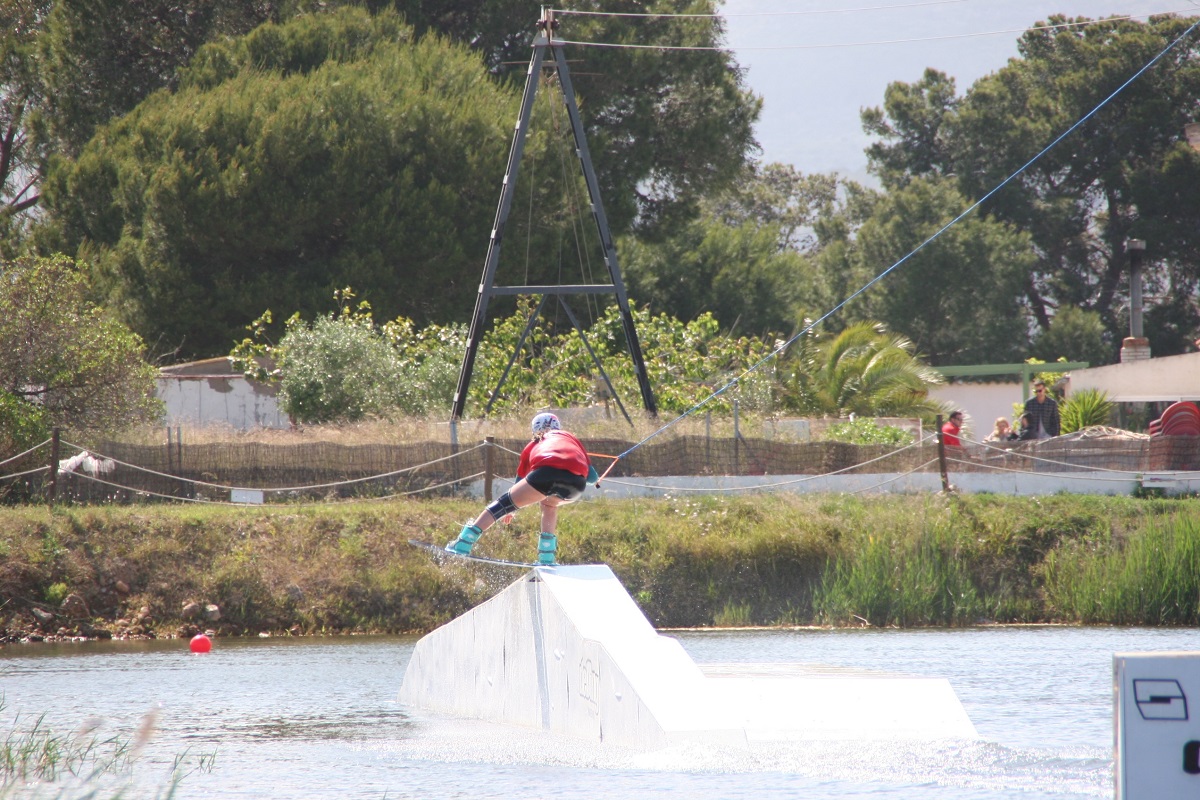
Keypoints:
pixel 941 442
pixel 737 467
pixel 488 465
pixel 708 438
pixel 170 453
pixel 55 438
pixel 454 449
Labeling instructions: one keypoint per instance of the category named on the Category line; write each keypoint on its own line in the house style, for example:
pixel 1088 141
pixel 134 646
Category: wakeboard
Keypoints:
pixel 441 551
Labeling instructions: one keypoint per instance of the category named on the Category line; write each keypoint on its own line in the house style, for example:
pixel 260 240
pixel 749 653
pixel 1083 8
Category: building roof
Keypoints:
pixel 1165 379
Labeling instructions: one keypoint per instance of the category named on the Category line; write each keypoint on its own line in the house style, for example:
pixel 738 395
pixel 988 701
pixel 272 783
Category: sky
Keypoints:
pixel 808 62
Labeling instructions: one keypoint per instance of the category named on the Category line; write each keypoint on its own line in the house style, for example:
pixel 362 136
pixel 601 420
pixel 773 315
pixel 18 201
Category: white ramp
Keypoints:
pixel 567 650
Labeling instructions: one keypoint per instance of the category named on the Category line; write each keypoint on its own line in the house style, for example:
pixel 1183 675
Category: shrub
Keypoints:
pixel 866 431
pixel 1085 408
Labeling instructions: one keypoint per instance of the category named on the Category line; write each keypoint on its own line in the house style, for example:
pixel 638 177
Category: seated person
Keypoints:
pixel 1028 432
pixel 1003 432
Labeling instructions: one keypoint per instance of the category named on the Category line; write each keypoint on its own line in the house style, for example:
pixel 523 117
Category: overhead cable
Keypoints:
pixel 872 43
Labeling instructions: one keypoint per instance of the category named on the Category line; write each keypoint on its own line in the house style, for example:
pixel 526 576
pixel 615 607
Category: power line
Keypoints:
pixel 573 12
pixel 874 43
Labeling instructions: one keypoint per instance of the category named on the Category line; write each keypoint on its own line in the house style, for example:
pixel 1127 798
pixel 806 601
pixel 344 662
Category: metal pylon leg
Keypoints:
pixel 487 287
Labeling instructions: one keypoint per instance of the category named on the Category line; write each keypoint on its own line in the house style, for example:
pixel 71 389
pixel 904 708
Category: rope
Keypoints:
pixel 793 482
pixel 1032 457
pixel 207 501
pixel 874 43
pixel 22 455
pixel 928 463
pixel 784 345
pixel 558 12
pixel 1132 473
pixel 26 472
pixel 149 493
pixel 285 488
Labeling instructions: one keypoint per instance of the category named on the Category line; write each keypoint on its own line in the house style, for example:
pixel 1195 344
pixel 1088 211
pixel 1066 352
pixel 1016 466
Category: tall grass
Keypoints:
pixel 898 579
pixel 689 561
pixel 81 764
pixel 1151 578
pixel 33 752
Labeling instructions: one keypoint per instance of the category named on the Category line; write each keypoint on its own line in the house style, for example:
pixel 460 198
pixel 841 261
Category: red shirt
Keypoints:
pixel 950 433
pixel 556 449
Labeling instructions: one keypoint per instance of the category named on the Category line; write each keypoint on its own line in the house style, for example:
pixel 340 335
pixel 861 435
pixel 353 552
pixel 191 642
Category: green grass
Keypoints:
pixel 1149 578
pixel 689 561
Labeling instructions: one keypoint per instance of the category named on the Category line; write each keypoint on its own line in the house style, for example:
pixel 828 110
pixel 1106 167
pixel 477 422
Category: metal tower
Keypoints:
pixel 487 286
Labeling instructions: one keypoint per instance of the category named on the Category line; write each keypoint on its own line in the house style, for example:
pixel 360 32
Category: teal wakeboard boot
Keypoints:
pixel 547 547
pixel 465 541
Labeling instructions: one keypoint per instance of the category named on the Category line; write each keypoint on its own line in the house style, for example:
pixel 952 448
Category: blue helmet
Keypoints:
pixel 545 422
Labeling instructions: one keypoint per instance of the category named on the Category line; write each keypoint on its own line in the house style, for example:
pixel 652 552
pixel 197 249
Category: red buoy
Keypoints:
pixel 201 643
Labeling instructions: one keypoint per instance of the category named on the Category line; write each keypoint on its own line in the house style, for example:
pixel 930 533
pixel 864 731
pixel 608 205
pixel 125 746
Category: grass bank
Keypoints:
pixel 764 560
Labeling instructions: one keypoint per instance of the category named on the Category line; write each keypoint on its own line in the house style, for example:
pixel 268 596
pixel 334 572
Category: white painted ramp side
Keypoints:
pixel 567 650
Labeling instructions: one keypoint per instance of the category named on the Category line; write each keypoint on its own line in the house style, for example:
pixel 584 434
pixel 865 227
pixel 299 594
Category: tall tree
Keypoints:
pixel 76 362
pixel 957 298
pixel 20 166
pixel 737 273
pixel 914 118
pixel 1124 173
pixel 328 152
pixel 100 58
pixel 666 127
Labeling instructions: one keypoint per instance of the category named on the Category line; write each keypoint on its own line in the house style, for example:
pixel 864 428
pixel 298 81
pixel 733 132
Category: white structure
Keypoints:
pixel 209 392
pixel 566 650
pixel 1156 716
pixel 1167 379
pixel 982 402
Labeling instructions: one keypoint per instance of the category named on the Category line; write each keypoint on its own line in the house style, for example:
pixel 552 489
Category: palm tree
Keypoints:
pixel 863 370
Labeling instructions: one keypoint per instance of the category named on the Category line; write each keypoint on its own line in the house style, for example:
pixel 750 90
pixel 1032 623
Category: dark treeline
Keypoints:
pixel 209 160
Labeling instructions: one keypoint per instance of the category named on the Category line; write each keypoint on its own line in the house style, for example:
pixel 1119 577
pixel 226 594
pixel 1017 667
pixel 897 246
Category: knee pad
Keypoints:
pixel 501 505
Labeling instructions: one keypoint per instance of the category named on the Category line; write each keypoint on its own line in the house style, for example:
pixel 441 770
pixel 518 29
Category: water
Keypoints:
pixel 317 718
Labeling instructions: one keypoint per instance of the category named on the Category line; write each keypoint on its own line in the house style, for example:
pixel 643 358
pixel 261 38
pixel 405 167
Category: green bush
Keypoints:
pixel 1152 578
pixel 865 431
pixel 1085 408
pixel 22 425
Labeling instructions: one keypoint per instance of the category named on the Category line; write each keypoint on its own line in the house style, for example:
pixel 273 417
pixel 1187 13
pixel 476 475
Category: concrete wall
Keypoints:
pixel 1167 379
pixel 231 400
pixel 1031 484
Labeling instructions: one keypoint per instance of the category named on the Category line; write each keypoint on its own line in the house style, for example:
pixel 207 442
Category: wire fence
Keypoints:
pixel 120 472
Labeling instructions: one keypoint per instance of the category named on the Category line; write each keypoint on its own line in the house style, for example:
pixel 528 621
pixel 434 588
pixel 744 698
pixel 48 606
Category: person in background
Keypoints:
pixel 1043 412
pixel 1027 431
pixel 1003 432
pixel 952 430
pixel 553 470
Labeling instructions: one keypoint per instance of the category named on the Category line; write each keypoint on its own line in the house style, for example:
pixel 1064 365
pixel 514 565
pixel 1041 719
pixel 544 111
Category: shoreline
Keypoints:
pixel 693 563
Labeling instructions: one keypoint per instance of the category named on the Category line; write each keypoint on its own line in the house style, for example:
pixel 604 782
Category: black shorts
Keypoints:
pixel 555 482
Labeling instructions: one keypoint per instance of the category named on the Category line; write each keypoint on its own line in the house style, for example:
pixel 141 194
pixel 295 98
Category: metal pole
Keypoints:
pixel 489 467
pixel 55 439
pixel 941 444
pixel 606 240
pixel 479 318
pixel 737 467
pixel 1136 248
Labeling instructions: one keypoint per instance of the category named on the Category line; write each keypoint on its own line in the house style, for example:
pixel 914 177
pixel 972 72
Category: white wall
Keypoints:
pixel 1165 379
pixel 982 402
pixel 219 400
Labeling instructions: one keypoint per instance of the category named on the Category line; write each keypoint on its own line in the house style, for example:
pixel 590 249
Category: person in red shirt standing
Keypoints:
pixel 553 471
pixel 952 430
